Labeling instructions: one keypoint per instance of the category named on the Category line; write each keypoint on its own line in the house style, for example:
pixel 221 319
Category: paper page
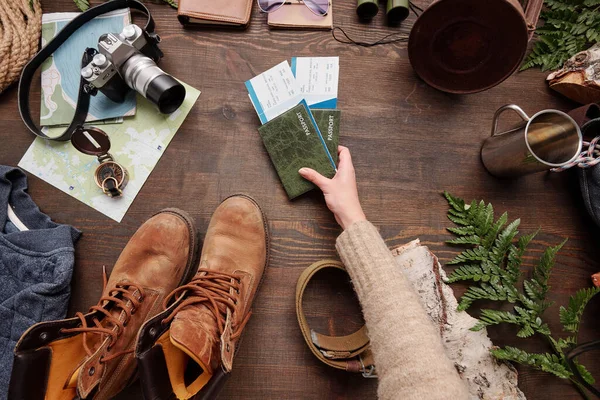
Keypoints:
pixel 274 92
pixel 317 79
pixel 137 144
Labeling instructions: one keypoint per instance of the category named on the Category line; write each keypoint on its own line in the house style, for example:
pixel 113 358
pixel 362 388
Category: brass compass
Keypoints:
pixel 110 176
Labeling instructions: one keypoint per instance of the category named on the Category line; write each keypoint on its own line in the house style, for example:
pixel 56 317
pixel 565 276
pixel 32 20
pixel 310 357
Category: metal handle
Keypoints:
pixel 532 15
pixel 513 107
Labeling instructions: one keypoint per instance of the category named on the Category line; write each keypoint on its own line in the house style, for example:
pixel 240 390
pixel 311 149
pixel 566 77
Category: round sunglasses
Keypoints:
pixel 318 7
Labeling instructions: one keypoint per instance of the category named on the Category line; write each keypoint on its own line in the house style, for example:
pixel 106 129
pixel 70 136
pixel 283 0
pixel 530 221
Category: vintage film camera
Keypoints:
pixel 128 60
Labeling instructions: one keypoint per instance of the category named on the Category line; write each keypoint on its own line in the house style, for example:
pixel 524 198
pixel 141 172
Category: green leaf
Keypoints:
pixel 543 362
pixel 503 242
pixel 493 232
pixel 172 3
pixel 467 272
pixel 537 288
pixel 570 317
pixel 477 254
pixel 570 26
pixel 468 239
pixel 495 317
pixel 585 374
pixel 456 203
pixel 564 343
pixel 462 231
pixel 83 5
pixel 492 261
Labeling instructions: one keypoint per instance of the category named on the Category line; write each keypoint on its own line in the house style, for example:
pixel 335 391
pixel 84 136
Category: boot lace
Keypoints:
pixel 218 291
pixel 116 298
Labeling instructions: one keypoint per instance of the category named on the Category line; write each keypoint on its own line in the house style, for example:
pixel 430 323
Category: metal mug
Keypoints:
pixel 466 46
pixel 548 139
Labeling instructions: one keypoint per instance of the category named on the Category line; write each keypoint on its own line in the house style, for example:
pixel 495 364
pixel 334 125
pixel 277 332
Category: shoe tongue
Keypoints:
pixel 194 331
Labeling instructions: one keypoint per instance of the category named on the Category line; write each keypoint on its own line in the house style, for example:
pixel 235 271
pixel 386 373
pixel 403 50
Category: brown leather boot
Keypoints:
pixel 90 355
pixel 189 348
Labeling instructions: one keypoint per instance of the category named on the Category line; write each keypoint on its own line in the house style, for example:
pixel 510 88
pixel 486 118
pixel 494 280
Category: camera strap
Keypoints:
pixel 83 98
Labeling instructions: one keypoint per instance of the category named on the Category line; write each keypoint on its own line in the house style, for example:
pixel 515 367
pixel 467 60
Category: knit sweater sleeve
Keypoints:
pixel 408 352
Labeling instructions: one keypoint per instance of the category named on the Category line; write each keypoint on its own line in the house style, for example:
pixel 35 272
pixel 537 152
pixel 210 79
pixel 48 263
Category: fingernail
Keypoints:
pixel 302 170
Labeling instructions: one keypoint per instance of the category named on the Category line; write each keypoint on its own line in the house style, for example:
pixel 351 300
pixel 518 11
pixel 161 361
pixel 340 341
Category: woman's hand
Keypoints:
pixel 341 194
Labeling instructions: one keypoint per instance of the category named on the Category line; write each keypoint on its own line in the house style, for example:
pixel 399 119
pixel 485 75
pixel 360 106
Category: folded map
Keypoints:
pixel 61 71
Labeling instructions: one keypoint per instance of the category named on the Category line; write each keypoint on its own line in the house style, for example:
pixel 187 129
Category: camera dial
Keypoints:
pixel 100 60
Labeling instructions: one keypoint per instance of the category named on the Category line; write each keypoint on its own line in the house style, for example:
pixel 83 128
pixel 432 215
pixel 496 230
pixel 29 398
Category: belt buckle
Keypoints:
pixel 367 372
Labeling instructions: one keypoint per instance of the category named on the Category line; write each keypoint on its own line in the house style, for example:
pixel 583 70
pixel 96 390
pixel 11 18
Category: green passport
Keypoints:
pixel 292 143
pixel 328 122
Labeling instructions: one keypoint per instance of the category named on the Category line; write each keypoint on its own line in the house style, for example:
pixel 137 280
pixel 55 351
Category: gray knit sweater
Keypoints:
pixel 409 355
pixel 36 265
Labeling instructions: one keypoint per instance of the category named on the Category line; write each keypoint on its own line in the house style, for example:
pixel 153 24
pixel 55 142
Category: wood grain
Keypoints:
pixel 409 143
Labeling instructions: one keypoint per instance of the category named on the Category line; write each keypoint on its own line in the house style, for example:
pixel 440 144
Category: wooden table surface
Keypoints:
pixel 409 143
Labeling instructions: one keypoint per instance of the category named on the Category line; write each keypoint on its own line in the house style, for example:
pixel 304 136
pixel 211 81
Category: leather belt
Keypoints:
pixel 350 353
pixel 83 99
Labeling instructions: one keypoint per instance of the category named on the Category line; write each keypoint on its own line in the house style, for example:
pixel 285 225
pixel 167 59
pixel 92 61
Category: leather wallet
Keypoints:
pixel 295 15
pixel 232 13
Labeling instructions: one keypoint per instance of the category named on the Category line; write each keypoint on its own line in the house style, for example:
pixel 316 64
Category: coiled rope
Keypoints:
pixel 20 29
pixel 586 159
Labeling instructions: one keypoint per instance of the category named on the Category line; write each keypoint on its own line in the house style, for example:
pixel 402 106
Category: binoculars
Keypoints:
pixel 397 10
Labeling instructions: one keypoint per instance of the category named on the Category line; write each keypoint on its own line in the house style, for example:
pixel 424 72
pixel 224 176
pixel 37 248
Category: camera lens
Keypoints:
pixel 166 93
pixel 143 75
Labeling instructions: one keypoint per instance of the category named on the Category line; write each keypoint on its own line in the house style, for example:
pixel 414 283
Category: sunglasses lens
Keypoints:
pixel 319 7
pixel 270 5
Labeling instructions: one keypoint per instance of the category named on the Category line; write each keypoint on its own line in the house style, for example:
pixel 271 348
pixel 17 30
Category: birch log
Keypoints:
pixel 485 377
pixel 579 78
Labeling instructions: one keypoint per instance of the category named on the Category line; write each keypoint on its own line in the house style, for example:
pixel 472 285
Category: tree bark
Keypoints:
pixel 486 378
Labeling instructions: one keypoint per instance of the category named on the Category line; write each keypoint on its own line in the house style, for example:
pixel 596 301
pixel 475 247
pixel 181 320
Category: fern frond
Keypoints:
pixel 570 317
pixel 493 232
pixel 515 258
pixel 482 292
pixel 492 260
pixel 495 317
pixel 467 272
pixel 570 26
pixel 83 5
pixel 543 362
pixel 503 242
pixel 172 3
pixel 563 344
pixel 479 253
pixel 456 203
pixel 462 231
pixel 541 273
pixel 482 218
pixel 467 239
pixel 585 374
pixel 560 5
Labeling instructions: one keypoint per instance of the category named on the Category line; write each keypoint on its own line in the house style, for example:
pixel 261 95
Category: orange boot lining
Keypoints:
pixel 177 361
pixel 67 355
